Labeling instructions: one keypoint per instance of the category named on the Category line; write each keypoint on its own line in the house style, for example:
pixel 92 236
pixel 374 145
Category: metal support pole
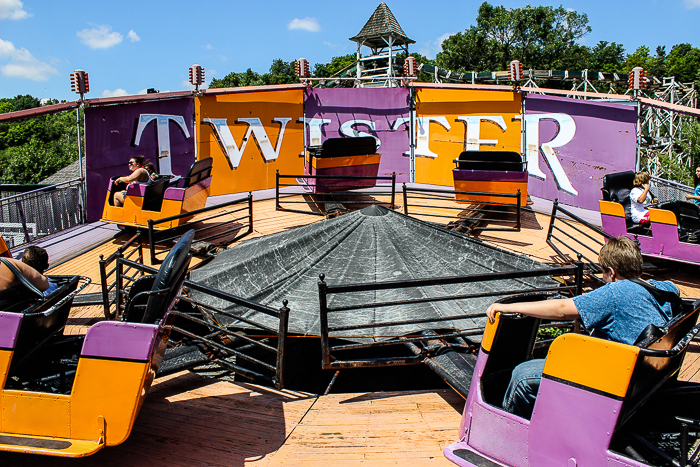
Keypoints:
pixel 250 211
pixel 517 221
pixel 579 275
pixel 323 306
pixel 281 344
pixel 277 192
pixel 393 189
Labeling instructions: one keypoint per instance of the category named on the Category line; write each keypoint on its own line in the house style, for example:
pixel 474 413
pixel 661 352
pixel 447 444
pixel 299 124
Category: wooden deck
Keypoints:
pixel 190 420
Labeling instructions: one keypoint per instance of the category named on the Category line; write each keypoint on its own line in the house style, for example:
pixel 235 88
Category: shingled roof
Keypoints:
pixel 381 24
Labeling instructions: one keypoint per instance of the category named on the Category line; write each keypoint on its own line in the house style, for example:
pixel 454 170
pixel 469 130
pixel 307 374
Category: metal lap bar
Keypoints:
pixel 176 231
pixel 117 270
pixel 551 236
pixel 479 209
pixel 329 361
pixel 320 198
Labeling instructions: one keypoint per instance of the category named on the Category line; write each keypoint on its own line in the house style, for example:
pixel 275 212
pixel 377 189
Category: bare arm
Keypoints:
pixel 644 194
pixel 691 197
pixel 135 176
pixel 547 309
pixel 32 275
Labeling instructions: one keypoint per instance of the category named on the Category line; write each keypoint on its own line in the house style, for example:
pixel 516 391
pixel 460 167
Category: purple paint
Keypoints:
pixel 110 133
pixel 604 142
pixel 571 422
pixel 383 106
pixel 664 243
pixel 9 329
pixel 129 341
pixel 489 176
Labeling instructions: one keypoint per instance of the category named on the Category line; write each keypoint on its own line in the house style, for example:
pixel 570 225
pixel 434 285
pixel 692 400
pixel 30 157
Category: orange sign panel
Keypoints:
pixel 450 121
pixel 250 135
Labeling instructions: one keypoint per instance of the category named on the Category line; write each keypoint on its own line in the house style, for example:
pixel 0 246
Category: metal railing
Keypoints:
pixel 204 233
pixel 572 240
pixel 667 190
pixel 332 361
pixel 35 214
pixel 225 341
pixel 328 198
pixel 113 295
pixel 473 210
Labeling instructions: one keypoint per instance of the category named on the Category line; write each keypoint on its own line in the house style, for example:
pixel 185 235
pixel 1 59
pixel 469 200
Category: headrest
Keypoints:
pixel 173 268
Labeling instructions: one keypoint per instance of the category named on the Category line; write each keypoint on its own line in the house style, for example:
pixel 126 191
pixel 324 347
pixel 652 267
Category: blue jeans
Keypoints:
pixel 522 389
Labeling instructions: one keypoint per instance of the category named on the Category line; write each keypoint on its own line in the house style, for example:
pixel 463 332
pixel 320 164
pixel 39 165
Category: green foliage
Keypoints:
pixel 691 145
pixel 551 332
pixel 337 64
pixel 684 63
pixel 35 148
pixel 281 72
pixel 607 57
pixel 541 37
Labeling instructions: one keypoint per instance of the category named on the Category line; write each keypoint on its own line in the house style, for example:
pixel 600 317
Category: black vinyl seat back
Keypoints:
pixel 165 284
pixel 40 321
pixel 651 372
pixel 504 161
pixel 344 147
pixel 199 171
pixel 687 216
pixel 616 188
pixel 153 195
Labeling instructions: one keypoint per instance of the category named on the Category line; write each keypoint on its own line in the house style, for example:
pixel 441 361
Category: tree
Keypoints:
pixel 540 37
pixel 281 72
pixel 607 57
pixel 684 63
pixel 234 80
pixel 337 64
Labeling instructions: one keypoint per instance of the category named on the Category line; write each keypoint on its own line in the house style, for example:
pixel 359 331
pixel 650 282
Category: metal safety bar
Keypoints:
pixel 472 209
pixel 205 317
pixel 349 193
pixel 132 247
pixel 160 237
pixel 330 361
pixel 573 241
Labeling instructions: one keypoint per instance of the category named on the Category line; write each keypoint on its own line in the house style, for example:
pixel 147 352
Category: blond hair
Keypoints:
pixel 641 178
pixel 623 255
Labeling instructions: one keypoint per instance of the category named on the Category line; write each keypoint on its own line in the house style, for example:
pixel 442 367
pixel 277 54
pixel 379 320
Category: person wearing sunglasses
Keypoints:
pixel 138 174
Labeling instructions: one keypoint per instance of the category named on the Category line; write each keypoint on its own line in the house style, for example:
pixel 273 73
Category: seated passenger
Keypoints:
pixel 695 197
pixel 148 165
pixel 11 288
pixel 640 198
pixel 138 174
pixel 38 258
pixel 618 311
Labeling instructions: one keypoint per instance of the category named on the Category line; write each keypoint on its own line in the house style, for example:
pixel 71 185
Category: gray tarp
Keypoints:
pixel 371 245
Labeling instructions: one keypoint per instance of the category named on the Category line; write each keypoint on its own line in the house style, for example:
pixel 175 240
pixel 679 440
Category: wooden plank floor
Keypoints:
pixel 189 420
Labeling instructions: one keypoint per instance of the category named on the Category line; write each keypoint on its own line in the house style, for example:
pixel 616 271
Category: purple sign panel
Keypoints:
pixel 378 112
pixel 162 131
pixel 571 144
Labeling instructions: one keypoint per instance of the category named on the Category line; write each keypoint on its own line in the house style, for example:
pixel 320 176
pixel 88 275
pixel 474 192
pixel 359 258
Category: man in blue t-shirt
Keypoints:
pixel 618 311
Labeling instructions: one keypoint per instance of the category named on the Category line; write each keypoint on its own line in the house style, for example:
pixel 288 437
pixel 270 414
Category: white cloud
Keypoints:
pixel 208 46
pixel 133 36
pixel 116 93
pixel 432 48
pixel 100 37
pixel 692 4
pixel 12 9
pixel 306 24
pixel 23 64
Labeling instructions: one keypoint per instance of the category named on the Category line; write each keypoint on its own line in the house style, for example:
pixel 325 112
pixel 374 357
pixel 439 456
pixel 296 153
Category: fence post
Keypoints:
pixel 579 274
pixel 20 211
pixel 323 307
pixel 105 288
pixel 118 283
pixel 555 204
pixel 151 242
pixel 138 233
pixel 393 189
pixel 250 211
pixel 405 200
pixel 517 221
pixel 277 192
pixel 282 344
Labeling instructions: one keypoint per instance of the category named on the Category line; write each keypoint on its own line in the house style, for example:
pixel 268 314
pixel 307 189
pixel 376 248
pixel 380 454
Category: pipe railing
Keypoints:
pixel 471 208
pixel 331 361
pixel 346 190
pixel 112 294
pixel 167 236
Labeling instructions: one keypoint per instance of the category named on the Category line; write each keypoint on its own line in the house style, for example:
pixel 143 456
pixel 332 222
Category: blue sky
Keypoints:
pixel 129 46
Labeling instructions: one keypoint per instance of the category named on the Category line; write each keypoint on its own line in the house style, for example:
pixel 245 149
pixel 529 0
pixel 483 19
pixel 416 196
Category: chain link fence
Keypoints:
pixel 35 214
pixel 667 190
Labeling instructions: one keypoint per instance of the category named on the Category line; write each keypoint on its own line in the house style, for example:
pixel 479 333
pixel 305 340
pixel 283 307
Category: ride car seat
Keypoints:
pixel 616 188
